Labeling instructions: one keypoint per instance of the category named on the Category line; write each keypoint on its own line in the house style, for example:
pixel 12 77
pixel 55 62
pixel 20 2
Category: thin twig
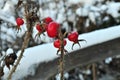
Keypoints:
pixel 61 55
pixel 25 43
pixel 94 71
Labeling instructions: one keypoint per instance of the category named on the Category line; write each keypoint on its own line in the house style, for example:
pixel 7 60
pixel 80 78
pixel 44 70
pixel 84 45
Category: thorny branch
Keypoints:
pixel 61 60
pixel 29 23
pixel 25 43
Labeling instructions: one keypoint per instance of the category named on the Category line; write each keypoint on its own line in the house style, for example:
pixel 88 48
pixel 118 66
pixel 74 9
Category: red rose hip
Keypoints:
pixel 52 29
pixel 38 27
pixel 48 20
pixel 57 43
pixel 19 21
pixel 73 36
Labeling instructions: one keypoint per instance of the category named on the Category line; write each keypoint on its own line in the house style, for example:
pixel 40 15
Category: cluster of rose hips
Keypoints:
pixel 52 28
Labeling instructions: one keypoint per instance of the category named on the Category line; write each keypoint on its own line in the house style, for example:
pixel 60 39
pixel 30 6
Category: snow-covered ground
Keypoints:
pixel 47 52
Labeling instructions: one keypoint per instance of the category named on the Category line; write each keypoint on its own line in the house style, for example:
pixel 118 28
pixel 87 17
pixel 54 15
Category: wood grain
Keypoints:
pixel 78 58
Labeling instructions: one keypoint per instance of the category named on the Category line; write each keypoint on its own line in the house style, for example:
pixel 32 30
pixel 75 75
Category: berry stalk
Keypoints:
pixel 61 55
pixel 25 43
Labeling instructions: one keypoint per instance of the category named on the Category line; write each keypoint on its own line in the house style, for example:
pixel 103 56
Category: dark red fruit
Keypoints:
pixel 73 36
pixel 19 21
pixel 10 59
pixel 52 29
pixel 48 20
pixel 38 27
pixel 57 43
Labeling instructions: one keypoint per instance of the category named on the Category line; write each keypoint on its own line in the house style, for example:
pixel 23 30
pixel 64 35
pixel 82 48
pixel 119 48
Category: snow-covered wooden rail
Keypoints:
pixel 77 58
pixel 100 45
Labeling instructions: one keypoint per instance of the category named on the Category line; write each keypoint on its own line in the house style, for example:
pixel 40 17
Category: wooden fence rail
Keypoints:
pixel 78 58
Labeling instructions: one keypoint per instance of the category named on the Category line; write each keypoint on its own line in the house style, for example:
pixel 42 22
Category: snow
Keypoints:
pixel 7 17
pixel 107 77
pixel 81 1
pixel 81 77
pixel 12 36
pixel 93 11
pixel 108 60
pixel 113 9
pixel 1 3
pixel 47 52
pixel 9 51
pixel 61 18
pixel 7 12
pixel 87 72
